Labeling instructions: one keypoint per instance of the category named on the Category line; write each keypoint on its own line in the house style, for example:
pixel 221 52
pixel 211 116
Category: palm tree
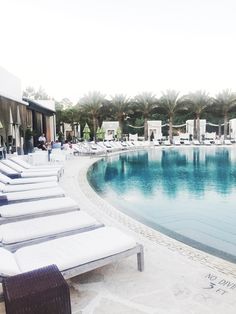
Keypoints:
pixel 145 103
pixel 225 102
pixel 120 104
pixel 91 104
pixel 171 103
pixel 198 102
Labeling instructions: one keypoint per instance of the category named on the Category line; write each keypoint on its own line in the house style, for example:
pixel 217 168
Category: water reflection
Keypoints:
pixel 187 193
pixel 172 170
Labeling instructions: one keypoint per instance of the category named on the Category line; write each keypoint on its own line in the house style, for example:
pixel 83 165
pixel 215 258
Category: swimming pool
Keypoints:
pixel 187 193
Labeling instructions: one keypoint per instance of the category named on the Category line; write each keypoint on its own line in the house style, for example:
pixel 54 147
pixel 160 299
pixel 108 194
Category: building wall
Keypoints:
pixel 190 127
pixel 154 127
pixel 232 128
pixel 110 128
pixel 10 85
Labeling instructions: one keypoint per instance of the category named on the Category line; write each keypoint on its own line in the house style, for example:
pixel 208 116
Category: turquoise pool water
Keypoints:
pixel 186 193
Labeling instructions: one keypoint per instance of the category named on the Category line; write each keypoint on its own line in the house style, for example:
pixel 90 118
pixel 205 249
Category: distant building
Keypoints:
pixel 232 128
pixel 41 118
pixel 154 127
pixel 70 132
pixel 13 112
pixel 190 127
pixel 17 114
pixel 110 128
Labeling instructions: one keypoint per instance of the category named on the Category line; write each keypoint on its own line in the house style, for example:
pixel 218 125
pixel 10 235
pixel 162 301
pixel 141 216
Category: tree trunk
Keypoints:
pixel 121 125
pixel 145 129
pixel 171 129
pixel 194 129
pixel 225 125
pixel 219 130
pixel 198 128
pixel 94 128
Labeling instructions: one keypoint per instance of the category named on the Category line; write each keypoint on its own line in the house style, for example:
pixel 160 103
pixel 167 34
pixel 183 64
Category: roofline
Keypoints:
pixel 34 102
pixel 20 101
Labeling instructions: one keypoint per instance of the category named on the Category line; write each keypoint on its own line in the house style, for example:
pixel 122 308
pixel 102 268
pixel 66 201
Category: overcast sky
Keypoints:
pixel 70 47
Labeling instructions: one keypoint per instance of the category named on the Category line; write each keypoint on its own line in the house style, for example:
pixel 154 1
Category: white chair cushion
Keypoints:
pixel 8 265
pixel 26 187
pixel 44 226
pixel 68 252
pixel 6 180
pixel 7 169
pixel 39 206
pixel 21 169
pixel 29 174
pixel 25 195
pixel 12 165
pixel 26 165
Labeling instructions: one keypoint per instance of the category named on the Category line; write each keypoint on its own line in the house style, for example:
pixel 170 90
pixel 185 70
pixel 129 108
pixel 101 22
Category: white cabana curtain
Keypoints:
pixel 11 129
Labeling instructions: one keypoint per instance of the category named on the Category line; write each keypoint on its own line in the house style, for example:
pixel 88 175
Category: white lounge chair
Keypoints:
pixel 207 142
pixel 15 166
pixel 218 142
pixel 196 142
pixel 74 254
pixel 7 188
pixel 227 142
pixel 27 174
pixel 167 143
pixel 186 142
pixel 21 233
pixel 96 149
pixel 80 149
pixel 28 166
pixel 176 142
pixel 6 180
pixel 37 208
pixel 156 143
pixel 8 198
pixel 58 155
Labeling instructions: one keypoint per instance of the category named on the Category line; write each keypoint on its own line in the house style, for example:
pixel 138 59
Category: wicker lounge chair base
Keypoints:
pixel 42 291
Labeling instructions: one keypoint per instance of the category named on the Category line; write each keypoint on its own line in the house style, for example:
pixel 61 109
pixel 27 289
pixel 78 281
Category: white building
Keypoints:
pixel 232 128
pixel 17 115
pixel 12 112
pixel 154 127
pixel 10 86
pixel 69 131
pixel 190 127
pixel 110 128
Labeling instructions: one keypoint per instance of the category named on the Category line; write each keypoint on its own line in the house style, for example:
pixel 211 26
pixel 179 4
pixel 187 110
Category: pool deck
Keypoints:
pixel 177 278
